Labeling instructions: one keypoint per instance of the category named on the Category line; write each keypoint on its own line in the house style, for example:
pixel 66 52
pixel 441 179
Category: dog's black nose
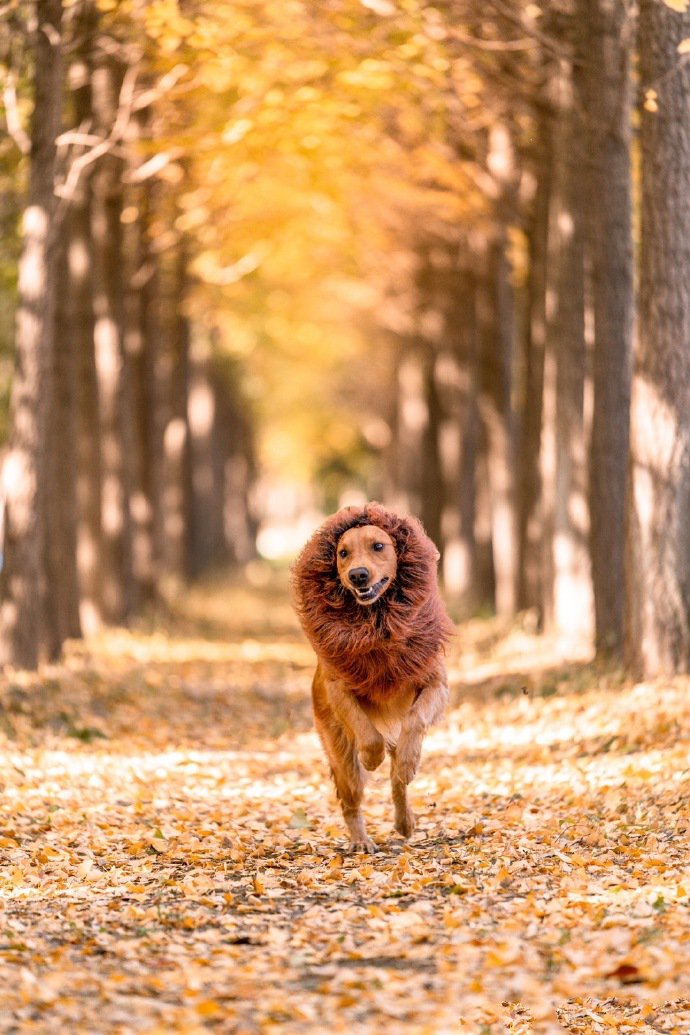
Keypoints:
pixel 359 576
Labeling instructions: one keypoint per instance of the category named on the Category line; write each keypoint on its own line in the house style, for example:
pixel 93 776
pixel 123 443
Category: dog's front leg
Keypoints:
pixel 370 744
pixel 405 756
pixel 427 708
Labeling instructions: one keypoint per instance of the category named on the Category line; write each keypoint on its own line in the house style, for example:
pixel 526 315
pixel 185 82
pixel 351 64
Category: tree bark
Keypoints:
pixel 207 499
pixel 88 481
pixel 605 28
pixel 432 480
pixel 484 574
pixel 23 589
pixel 236 470
pixel 61 483
pixel 530 531
pixel 140 345
pixel 495 402
pixel 567 580
pixel 460 558
pixel 80 321
pixel 658 544
pixel 172 438
pixel 106 227
pixel 411 413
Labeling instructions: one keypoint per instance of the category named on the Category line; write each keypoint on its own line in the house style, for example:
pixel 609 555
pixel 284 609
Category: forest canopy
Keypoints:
pixel 271 255
pixel 296 148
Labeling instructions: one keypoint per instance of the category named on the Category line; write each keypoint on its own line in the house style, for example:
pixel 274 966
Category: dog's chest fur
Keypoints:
pixel 386 670
pixel 387 715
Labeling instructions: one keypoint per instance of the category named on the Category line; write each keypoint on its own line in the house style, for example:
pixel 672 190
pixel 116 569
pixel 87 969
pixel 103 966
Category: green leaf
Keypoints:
pixel 660 904
pixel 86 733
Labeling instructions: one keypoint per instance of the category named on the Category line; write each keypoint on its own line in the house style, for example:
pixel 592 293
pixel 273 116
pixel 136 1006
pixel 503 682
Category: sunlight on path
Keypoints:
pixel 173 853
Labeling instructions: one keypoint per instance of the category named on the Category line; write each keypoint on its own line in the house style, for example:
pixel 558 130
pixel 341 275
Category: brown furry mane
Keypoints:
pixel 396 642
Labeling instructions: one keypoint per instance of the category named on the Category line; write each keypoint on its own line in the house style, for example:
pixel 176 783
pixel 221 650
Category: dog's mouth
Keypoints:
pixel 371 593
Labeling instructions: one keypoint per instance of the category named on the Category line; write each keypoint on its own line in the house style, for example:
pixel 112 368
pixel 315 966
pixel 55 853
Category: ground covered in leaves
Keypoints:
pixel 173 857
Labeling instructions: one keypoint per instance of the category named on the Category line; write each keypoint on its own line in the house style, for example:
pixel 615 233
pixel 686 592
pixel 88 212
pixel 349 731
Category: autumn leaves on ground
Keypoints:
pixel 173 856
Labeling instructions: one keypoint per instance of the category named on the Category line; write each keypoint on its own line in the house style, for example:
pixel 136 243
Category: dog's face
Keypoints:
pixel 367 562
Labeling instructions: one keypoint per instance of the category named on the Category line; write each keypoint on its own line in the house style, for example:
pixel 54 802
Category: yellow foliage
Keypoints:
pixel 307 132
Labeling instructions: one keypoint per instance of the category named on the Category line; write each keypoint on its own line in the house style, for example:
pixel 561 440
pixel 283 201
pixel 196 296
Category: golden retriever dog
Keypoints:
pixel 366 594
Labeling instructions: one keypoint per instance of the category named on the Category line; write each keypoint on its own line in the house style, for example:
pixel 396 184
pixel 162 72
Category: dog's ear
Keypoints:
pixel 410 534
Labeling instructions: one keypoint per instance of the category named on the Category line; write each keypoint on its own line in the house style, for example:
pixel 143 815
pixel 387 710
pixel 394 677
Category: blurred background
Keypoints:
pixel 292 255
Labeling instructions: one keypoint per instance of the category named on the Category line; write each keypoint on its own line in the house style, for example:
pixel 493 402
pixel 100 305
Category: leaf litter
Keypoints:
pixel 173 858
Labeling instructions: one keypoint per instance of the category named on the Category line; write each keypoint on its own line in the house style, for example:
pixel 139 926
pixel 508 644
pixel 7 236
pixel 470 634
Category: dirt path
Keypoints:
pixel 172 853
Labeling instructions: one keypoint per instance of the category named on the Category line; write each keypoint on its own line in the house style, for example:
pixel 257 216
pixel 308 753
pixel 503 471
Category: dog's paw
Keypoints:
pixel 407 755
pixel 363 844
pixel 372 754
pixel 405 824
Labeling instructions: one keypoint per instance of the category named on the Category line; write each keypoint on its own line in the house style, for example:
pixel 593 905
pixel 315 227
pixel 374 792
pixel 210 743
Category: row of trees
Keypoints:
pixel 513 408
pixel 407 231
pixel 130 455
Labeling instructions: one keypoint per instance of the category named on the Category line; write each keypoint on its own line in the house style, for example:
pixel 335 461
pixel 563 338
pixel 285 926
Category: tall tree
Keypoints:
pixel 566 574
pixel 530 590
pixel 141 340
pixel 24 589
pixel 171 449
pixel 469 590
pixel 411 421
pixel 658 568
pixel 207 545
pixel 63 619
pixel 108 304
pixel 605 30
pixel 75 324
pixel 495 313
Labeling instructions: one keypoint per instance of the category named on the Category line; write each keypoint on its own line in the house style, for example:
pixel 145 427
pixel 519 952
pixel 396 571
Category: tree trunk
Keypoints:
pixel 88 480
pixel 106 208
pixel 411 413
pixel 61 483
pixel 237 470
pixel 469 591
pixel 207 538
pixel 80 321
pixel 658 547
pixel 172 387
pixel 460 558
pixel 606 27
pixel 530 531
pixel 496 336
pixel 432 482
pixel 23 597
pixel 567 581
pixel 140 344
pixel 485 575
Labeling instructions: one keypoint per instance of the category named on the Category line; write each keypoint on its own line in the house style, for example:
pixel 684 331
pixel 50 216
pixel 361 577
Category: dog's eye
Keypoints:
pixel 378 547
pixel 342 553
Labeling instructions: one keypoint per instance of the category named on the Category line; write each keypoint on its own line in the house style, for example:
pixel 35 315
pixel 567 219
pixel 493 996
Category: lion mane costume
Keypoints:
pixel 398 641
